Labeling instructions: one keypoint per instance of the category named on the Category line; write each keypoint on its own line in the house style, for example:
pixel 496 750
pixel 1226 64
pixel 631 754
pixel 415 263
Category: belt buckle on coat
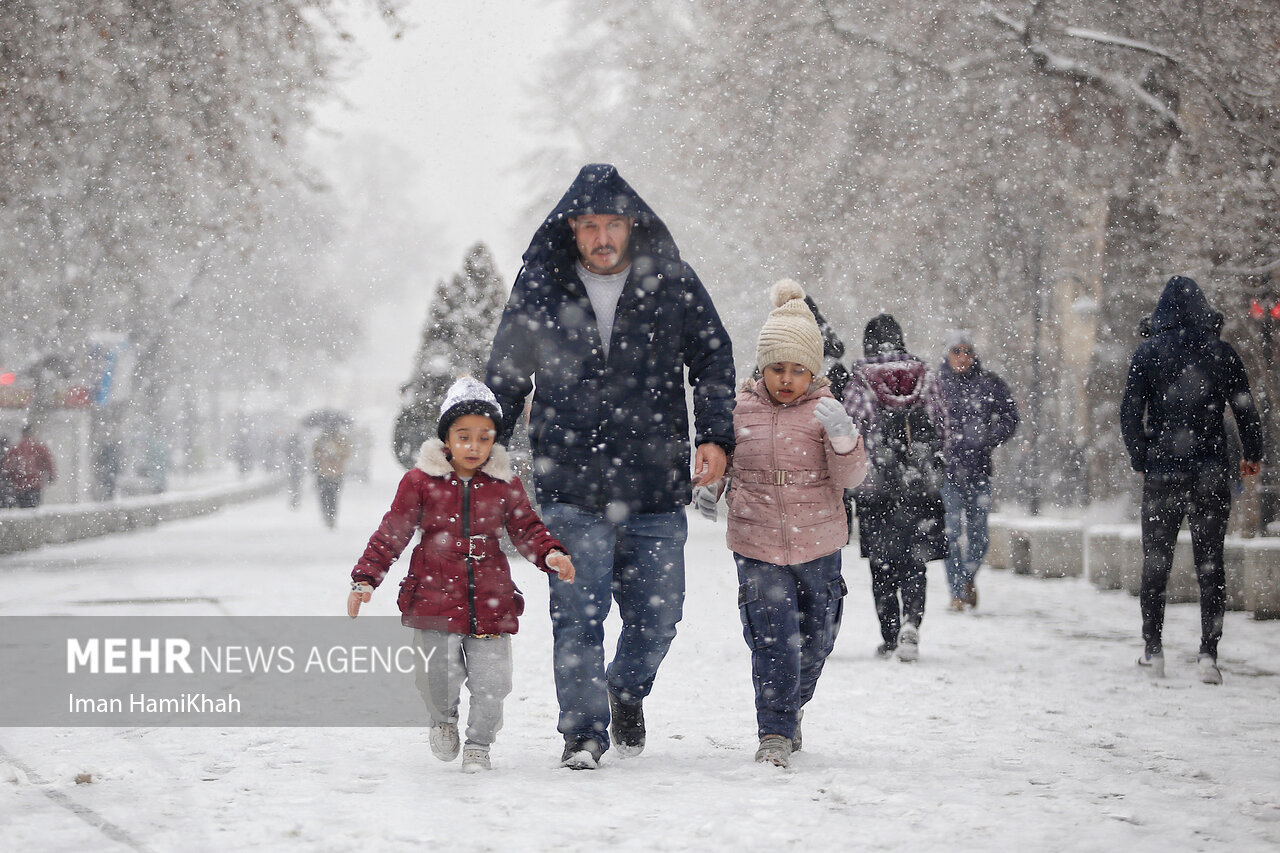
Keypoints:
pixel 471 545
pixel 781 478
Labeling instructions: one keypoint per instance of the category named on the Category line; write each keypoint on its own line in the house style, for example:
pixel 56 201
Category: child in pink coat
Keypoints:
pixel 797 451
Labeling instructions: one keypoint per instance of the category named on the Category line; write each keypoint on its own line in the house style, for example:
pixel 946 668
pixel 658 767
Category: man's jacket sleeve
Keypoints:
pixel 1004 414
pixel 1240 399
pixel 708 354
pixel 1133 408
pixel 509 373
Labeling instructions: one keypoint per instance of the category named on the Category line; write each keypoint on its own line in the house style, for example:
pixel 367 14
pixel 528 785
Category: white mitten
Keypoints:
pixel 704 498
pixel 834 419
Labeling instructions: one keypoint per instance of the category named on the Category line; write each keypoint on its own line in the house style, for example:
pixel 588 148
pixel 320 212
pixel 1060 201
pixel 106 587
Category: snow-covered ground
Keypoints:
pixel 1024 726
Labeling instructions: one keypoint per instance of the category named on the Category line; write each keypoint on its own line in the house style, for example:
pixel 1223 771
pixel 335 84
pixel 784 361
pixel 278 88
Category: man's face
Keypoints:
pixel 960 357
pixel 604 241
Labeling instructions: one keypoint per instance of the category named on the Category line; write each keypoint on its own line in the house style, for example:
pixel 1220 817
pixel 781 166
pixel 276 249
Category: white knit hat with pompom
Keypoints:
pixel 790 333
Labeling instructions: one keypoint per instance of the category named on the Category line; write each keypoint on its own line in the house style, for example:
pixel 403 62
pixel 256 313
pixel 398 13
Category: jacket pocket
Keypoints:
pixel 758 626
pixel 408 589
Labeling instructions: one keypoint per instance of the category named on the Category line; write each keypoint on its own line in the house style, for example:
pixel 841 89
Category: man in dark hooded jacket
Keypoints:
pixel 602 324
pixel 1181 381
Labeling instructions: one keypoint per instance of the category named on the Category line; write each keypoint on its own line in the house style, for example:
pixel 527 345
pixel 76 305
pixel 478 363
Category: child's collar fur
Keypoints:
pixel 432 460
pixel 750 383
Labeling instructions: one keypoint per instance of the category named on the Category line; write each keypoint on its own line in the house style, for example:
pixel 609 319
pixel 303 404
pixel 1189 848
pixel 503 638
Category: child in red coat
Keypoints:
pixel 458 595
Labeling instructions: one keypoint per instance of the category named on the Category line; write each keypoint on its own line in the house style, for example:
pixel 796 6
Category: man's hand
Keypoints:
pixel 709 464
pixel 560 561
pixel 1249 469
pixel 360 594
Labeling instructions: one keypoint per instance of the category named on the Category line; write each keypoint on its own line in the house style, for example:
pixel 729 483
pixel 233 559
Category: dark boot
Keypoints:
pixel 581 753
pixel 626 726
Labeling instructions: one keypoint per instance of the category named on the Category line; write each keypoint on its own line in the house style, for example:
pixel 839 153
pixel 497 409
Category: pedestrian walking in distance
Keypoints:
pixel 897 404
pixel 982 415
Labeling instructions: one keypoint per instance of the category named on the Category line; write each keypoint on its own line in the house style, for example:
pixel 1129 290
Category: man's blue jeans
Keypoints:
pixel 968 504
pixel 790 618
pixel 638 562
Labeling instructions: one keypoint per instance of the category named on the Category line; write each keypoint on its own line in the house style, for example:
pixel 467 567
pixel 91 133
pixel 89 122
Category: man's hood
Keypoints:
pixel 1182 305
pixel 599 189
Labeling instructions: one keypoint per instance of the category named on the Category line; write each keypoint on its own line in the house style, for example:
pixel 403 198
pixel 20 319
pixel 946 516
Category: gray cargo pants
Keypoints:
pixel 483 663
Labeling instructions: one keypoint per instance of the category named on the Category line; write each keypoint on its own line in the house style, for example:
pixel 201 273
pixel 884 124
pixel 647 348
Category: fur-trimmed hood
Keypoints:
pixel 432 460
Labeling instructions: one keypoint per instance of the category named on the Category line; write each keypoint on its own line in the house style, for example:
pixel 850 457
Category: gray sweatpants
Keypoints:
pixel 483 664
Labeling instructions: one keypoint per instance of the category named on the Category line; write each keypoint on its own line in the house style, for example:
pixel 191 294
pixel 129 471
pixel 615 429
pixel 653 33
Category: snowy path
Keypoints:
pixel 1024 725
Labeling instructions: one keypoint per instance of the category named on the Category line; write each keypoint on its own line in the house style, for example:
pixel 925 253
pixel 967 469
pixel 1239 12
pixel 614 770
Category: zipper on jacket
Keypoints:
pixel 471 569
pixel 782 504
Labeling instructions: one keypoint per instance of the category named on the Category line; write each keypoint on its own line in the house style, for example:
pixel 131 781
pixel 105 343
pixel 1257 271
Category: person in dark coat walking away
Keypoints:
pixel 607 318
pixel 458 595
pixel 28 466
pixel 982 416
pixel 897 404
pixel 1181 381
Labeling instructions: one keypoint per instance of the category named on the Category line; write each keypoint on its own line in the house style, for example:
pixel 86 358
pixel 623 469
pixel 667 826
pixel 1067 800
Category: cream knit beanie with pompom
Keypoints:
pixel 790 333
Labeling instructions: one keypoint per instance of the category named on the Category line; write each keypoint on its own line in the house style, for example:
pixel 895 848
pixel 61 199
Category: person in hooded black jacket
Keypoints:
pixel 1181 381
pixel 897 403
pixel 603 323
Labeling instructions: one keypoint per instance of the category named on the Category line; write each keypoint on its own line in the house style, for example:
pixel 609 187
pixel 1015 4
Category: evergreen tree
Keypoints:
pixel 455 341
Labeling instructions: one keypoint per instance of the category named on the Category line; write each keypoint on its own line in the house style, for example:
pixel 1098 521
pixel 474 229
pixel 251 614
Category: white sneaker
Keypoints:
pixel 1153 664
pixel 1208 666
pixel 443 738
pixel 909 643
pixel 475 758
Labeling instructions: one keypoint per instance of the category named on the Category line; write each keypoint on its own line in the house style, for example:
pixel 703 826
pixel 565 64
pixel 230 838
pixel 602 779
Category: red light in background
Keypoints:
pixel 1275 311
pixel 1256 311
pixel 8 378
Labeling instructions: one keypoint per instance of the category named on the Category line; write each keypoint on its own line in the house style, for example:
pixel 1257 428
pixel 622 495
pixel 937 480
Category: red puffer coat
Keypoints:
pixel 459 579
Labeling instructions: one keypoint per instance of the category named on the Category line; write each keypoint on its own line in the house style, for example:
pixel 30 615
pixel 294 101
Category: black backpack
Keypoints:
pixel 905 460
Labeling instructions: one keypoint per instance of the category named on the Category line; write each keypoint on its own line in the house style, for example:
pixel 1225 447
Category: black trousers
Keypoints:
pixel 905 578
pixel 1204 498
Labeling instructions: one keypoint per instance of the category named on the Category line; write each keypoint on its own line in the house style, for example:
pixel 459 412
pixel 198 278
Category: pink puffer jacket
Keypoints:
pixel 786 495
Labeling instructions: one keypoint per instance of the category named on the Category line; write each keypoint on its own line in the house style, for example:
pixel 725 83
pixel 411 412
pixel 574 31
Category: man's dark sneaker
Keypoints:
pixel 627 727
pixel 581 753
pixel 884 651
